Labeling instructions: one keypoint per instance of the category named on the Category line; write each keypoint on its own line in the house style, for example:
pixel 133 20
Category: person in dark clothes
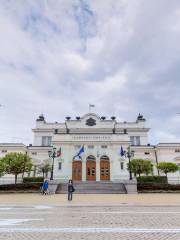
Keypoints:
pixel 70 190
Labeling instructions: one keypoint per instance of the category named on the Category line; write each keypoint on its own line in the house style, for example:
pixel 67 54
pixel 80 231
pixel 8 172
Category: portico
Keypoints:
pixel 91 169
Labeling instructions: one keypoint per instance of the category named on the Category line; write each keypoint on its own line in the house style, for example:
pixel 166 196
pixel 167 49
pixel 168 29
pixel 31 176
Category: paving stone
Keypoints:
pixel 51 221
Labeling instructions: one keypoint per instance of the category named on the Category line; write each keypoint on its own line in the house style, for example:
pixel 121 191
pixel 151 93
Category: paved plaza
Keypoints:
pixel 142 216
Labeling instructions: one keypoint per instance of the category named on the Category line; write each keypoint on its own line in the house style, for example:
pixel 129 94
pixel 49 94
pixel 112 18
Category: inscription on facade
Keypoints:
pixel 91 137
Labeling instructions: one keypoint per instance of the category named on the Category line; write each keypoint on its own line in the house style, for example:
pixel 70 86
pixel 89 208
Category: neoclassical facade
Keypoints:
pixel 102 139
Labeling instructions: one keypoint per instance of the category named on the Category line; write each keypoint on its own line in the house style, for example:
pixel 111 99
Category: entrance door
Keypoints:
pixel 91 170
pixel 104 170
pixel 77 170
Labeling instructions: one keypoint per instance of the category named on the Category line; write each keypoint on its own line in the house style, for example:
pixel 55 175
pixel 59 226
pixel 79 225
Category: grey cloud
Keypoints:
pixel 57 56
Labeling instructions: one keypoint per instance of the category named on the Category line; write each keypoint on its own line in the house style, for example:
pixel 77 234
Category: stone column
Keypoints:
pixel 83 170
pixel 98 169
pixel 69 169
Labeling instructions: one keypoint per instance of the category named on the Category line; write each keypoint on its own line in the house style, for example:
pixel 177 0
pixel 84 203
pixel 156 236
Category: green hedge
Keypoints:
pixel 33 179
pixel 152 179
pixel 158 187
pixel 20 187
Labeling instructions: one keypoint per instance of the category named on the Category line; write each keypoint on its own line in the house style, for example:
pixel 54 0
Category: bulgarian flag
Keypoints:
pixel 58 154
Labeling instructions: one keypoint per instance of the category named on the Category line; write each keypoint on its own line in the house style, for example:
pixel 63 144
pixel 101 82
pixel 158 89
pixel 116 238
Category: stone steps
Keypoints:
pixel 93 187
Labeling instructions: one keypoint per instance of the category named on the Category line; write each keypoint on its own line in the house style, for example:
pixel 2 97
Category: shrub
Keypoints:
pixel 33 179
pixel 25 187
pixel 152 179
pixel 167 167
pixel 158 187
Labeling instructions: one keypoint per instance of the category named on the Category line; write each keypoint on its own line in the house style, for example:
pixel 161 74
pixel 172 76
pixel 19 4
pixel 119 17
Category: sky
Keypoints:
pixel 57 56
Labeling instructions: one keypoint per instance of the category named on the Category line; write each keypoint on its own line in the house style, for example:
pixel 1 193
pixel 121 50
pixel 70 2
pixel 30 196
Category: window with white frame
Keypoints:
pixel 90 146
pixel 46 140
pixel 34 153
pixel 122 165
pixel 135 140
pixel 77 147
pixel 60 165
pixel 146 153
pixel 4 151
pixel 104 146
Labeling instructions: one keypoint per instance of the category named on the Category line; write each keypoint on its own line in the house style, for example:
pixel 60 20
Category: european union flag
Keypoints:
pixel 81 150
pixel 122 153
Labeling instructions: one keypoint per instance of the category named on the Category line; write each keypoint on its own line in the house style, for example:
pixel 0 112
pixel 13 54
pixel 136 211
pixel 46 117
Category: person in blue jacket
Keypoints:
pixel 45 187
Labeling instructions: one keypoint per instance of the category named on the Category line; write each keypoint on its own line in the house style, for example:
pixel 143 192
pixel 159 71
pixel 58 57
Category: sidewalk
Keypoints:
pixel 91 199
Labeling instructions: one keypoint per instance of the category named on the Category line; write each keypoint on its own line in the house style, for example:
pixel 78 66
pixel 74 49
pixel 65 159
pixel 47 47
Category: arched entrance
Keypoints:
pixel 104 168
pixel 76 170
pixel 91 168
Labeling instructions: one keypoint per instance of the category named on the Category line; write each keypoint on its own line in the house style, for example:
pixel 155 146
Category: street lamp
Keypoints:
pixel 52 154
pixel 129 154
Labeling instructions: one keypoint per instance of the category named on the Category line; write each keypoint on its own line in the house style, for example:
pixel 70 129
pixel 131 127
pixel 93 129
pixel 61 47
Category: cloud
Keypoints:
pixel 57 56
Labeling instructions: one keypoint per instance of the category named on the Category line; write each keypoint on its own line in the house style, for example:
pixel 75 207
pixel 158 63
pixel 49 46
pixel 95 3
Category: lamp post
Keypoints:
pixel 52 154
pixel 128 154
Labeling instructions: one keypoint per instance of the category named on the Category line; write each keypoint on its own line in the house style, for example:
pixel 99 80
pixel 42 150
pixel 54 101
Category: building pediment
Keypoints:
pixel 90 119
pixel 90 115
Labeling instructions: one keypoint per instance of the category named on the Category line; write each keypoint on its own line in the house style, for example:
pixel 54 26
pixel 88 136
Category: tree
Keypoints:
pixel 2 168
pixel 140 166
pixel 167 167
pixel 45 167
pixel 147 167
pixel 16 163
pixel 136 166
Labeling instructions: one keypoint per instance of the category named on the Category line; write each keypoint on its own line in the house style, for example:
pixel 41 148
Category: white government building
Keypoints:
pixel 102 139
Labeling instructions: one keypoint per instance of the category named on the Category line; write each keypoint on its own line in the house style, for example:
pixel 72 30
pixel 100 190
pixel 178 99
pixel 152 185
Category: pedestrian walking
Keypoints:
pixel 45 187
pixel 71 189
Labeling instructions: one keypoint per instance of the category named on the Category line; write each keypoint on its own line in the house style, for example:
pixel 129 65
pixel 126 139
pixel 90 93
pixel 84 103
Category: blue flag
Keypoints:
pixel 81 150
pixel 122 153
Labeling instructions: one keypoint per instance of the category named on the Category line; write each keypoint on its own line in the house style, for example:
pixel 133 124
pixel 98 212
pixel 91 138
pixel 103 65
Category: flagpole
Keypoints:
pixel 90 106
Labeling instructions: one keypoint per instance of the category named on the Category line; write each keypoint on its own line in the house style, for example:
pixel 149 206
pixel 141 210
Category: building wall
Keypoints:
pixel 72 134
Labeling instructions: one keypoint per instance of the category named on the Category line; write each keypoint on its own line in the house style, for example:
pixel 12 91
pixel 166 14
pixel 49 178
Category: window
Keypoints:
pixel 90 146
pixel 77 147
pixel 4 151
pixel 122 165
pixel 135 140
pixel 146 153
pixel 104 146
pixel 102 171
pixel 59 165
pixel 93 171
pixel 34 153
pixel 177 150
pixel 46 141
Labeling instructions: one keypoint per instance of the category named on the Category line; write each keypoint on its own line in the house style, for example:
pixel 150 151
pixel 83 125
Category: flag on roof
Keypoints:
pixel 122 152
pixel 58 154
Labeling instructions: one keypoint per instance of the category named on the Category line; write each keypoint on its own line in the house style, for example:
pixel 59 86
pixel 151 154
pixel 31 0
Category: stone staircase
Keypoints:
pixel 94 187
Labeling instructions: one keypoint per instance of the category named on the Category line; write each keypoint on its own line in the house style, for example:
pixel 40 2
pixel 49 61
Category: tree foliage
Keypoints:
pixel 140 166
pixel 44 168
pixel 167 167
pixel 2 168
pixel 16 163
